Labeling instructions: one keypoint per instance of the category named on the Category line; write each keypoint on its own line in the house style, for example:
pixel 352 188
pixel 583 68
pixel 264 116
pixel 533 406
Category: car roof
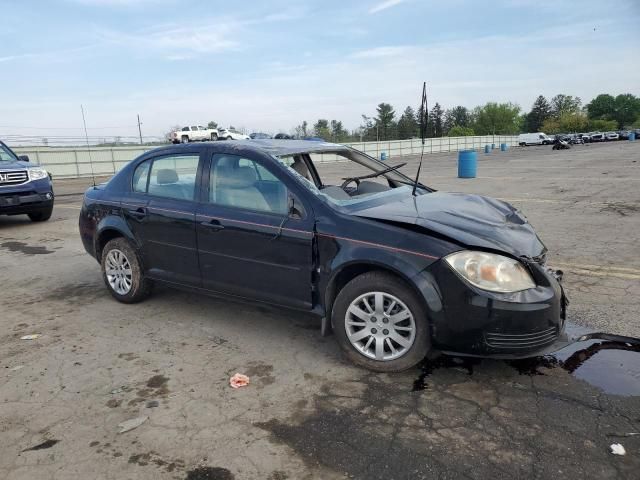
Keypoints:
pixel 279 148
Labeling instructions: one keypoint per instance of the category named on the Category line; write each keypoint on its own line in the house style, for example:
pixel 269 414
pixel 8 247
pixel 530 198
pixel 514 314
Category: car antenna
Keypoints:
pixel 424 115
pixel 86 136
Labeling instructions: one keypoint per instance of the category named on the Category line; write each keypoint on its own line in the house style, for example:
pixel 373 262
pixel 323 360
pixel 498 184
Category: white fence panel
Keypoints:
pixel 79 161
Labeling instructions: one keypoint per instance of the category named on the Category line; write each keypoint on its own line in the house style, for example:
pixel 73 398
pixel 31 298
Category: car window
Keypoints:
pixel 174 177
pixel 185 129
pixel 194 129
pixel 140 177
pixel 243 183
pixel 6 155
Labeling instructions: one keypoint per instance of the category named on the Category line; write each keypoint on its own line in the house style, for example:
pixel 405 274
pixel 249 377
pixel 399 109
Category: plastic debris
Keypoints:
pixel 131 424
pixel 617 449
pixel 239 380
pixel 31 336
pixel 17 367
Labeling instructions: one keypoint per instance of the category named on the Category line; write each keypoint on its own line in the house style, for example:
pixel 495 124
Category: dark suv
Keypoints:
pixel 24 188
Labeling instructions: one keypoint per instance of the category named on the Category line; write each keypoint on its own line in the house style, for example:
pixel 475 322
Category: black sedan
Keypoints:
pixel 396 270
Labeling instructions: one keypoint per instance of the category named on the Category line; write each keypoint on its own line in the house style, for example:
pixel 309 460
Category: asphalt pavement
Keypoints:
pixel 307 412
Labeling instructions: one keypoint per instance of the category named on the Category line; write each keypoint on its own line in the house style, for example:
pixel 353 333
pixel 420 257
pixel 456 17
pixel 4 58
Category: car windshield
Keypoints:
pixel 367 180
pixel 6 155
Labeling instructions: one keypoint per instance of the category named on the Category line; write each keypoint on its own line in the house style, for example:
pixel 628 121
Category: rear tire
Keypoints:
pixel 214 137
pixel 122 272
pixel 41 216
pixel 185 139
pixel 371 338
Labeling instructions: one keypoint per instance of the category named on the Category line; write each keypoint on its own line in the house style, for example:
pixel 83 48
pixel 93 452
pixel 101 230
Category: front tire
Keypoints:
pixel 41 216
pixel 214 137
pixel 122 272
pixel 380 323
pixel 185 139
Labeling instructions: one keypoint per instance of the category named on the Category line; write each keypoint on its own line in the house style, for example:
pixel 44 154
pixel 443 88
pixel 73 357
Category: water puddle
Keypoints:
pixel 608 362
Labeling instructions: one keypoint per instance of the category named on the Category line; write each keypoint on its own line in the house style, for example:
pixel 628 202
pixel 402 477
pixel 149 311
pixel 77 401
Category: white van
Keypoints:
pixel 539 138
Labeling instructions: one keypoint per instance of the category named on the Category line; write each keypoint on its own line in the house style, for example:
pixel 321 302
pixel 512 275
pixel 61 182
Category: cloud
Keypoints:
pixel 380 52
pixel 384 5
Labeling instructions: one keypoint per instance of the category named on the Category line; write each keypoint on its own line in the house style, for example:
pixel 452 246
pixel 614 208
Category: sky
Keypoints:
pixel 269 65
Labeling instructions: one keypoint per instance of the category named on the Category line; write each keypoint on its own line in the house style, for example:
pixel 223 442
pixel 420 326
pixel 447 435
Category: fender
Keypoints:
pixel 116 224
pixel 343 259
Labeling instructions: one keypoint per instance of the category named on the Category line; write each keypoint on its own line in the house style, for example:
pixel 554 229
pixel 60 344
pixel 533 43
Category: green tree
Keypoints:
pixel 600 125
pixel 407 126
pixel 367 129
pixel 460 131
pixel 568 122
pixel 212 124
pixel 602 107
pixel 627 109
pixel 496 118
pixel 437 120
pixel 302 130
pixel 321 129
pixel 562 104
pixel 338 132
pixel 456 116
pixel 540 111
pixel 385 121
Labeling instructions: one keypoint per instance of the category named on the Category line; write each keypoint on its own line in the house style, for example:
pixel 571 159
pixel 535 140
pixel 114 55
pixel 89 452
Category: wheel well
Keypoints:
pixel 106 236
pixel 352 271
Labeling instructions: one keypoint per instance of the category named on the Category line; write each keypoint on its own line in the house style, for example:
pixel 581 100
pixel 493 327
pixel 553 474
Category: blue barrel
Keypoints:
pixel 467 164
pixel 503 147
pixel 493 145
pixel 383 156
pixel 487 149
pixel 632 136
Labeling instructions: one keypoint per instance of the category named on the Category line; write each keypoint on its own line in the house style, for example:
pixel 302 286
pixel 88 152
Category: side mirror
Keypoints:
pixel 24 158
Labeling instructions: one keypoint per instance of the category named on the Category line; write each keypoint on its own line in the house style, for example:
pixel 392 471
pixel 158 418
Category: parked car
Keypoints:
pixel 259 136
pixel 282 136
pixel 586 138
pixel 597 137
pixel 232 134
pixel 624 134
pixel 539 138
pixel 576 140
pixel 25 188
pixel 610 136
pixel 393 267
pixel 194 134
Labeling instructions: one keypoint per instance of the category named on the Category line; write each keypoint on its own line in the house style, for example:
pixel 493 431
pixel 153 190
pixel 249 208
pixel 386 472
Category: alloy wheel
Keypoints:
pixel 118 271
pixel 380 326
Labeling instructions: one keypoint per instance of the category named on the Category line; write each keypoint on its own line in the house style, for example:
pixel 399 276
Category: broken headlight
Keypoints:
pixel 489 271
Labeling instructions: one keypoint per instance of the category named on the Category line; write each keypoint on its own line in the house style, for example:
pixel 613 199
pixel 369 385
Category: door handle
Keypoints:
pixel 213 225
pixel 138 213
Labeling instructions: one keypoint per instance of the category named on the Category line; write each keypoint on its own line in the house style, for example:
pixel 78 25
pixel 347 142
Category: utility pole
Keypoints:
pixel 139 129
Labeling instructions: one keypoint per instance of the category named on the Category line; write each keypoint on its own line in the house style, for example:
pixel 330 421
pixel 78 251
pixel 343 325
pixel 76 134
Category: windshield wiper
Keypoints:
pixel 376 174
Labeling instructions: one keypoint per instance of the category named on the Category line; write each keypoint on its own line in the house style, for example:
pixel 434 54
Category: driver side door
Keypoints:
pixel 249 244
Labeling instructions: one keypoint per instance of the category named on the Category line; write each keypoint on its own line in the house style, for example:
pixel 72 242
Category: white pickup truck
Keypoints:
pixel 194 134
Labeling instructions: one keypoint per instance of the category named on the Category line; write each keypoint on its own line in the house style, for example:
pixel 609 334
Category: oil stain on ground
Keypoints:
pixel 468 418
pixel 25 249
pixel 209 473
pixel 608 362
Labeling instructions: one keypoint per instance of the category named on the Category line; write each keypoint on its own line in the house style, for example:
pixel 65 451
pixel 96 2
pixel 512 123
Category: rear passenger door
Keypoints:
pixel 166 225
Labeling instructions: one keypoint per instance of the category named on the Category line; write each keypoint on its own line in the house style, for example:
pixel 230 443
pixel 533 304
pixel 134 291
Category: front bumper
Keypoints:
pixel 475 322
pixel 30 197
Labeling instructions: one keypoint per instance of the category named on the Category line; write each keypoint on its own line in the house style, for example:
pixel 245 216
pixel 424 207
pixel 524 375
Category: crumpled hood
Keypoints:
pixel 473 220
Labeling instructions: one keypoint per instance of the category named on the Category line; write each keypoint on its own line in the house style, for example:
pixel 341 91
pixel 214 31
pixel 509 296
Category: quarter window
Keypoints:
pixel 174 177
pixel 243 183
pixel 140 177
